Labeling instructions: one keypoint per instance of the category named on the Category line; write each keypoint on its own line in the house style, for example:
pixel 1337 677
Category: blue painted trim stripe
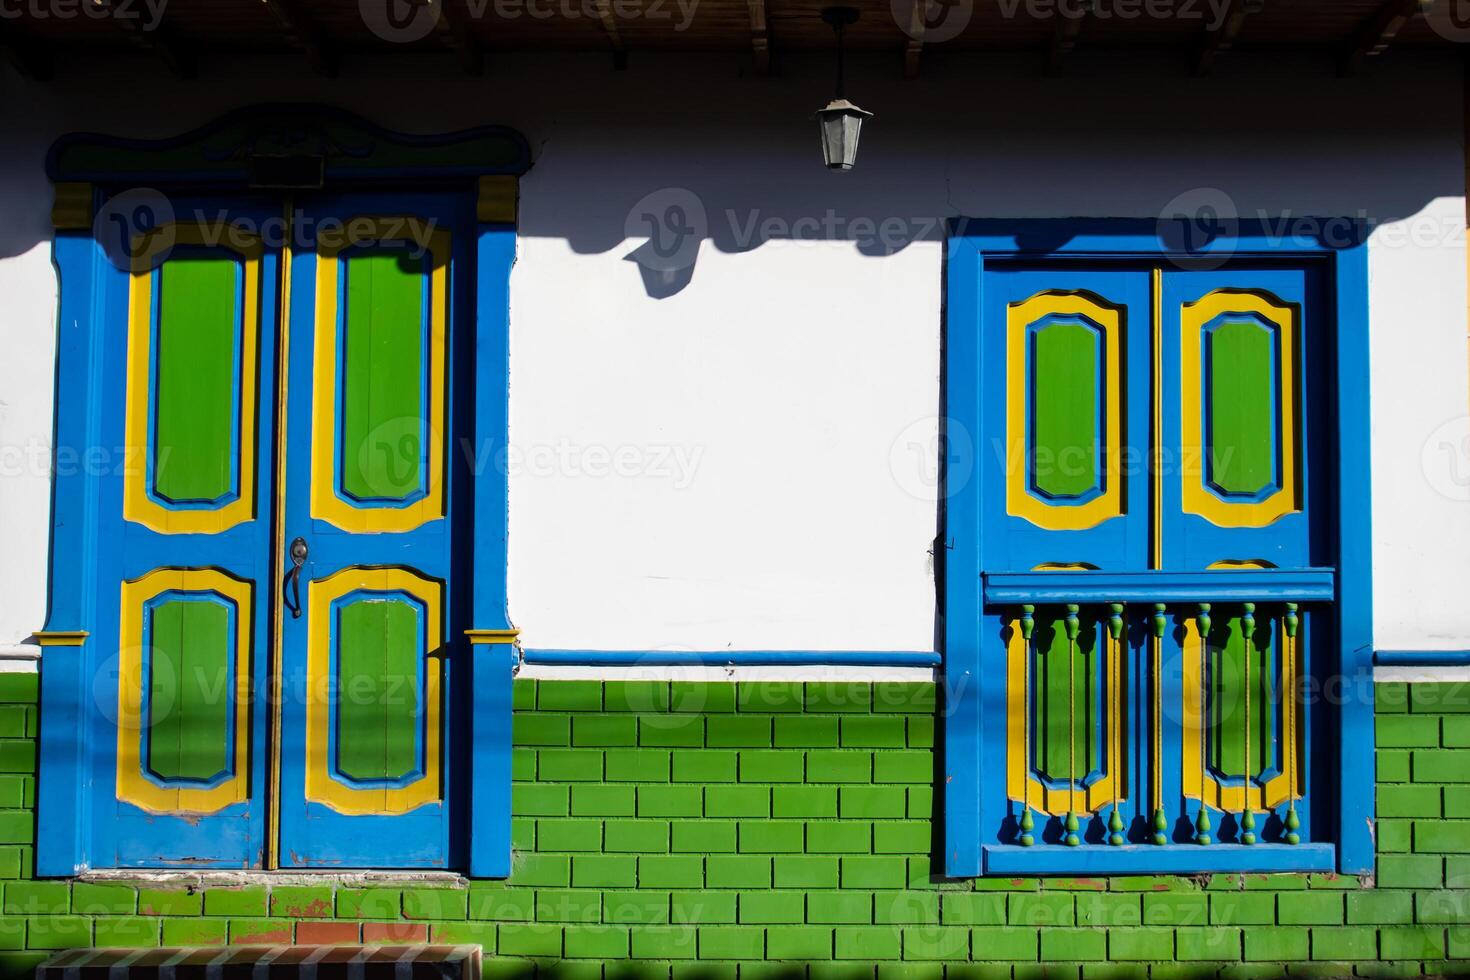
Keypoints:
pixel 1304 584
pixel 737 658
pixel 1148 859
pixel 1422 658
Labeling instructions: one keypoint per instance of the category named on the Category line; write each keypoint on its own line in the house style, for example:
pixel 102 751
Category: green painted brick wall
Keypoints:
pixel 666 831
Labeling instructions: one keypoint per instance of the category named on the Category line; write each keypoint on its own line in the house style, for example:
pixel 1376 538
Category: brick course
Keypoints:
pixel 776 831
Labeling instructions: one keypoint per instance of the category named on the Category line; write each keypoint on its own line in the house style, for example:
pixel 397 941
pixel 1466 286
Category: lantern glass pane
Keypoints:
pixel 840 139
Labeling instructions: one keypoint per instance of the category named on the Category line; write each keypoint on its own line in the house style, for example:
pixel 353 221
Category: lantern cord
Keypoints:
pixel 840 66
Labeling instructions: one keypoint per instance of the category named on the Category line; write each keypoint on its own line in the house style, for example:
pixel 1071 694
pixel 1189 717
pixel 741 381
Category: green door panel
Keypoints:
pixel 380 649
pixel 189 687
pixel 383 375
pixel 196 378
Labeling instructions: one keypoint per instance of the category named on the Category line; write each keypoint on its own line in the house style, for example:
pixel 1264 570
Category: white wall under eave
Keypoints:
pixel 27 375
pixel 727 460
pixel 1421 431
pixel 781 378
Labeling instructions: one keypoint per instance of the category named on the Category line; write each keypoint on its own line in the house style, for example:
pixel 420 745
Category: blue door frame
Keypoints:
pixel 258 154
pixel 975 711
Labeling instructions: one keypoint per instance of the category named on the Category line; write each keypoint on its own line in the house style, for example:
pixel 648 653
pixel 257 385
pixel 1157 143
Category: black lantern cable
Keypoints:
pixel 838 23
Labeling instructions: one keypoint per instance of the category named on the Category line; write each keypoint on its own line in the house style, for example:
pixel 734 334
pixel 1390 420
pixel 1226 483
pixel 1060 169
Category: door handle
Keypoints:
pixel 293 578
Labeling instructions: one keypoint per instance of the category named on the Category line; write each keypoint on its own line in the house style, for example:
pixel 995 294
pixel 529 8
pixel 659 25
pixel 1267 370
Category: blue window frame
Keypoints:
pixel 1164 534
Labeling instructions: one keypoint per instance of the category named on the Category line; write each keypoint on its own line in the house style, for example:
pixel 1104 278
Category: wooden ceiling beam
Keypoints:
pixel 1064 40
pixel 302 34
pixel 1222 38
pixel 454 31
pixel 609 22
pixel 1378 32
pixel 760 36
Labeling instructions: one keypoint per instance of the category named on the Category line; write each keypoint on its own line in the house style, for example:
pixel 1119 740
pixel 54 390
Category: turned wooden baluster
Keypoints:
pixel 1247 818
pixel 1202 820
pixel 1161 820
pixel 1072 838
pixel 1115 761
pixel 1028 825
pixel 1293 822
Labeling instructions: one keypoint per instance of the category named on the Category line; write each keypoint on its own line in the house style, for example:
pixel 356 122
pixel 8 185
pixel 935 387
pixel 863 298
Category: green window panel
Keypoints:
pixel 1065 409
pixel 1067 699
pixel 1228 689
pixel 1243 417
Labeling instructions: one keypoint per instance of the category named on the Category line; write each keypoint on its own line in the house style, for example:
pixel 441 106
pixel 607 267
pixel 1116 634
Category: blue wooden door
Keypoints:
pixel 374 524
pixel 184 515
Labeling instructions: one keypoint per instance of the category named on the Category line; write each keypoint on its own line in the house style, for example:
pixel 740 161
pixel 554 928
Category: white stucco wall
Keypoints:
pixel 738 458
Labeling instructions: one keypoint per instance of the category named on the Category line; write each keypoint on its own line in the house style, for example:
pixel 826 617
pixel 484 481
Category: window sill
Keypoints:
pixel 1140 859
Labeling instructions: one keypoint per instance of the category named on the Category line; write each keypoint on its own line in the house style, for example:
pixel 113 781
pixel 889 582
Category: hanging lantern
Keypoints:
pixel 841 122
